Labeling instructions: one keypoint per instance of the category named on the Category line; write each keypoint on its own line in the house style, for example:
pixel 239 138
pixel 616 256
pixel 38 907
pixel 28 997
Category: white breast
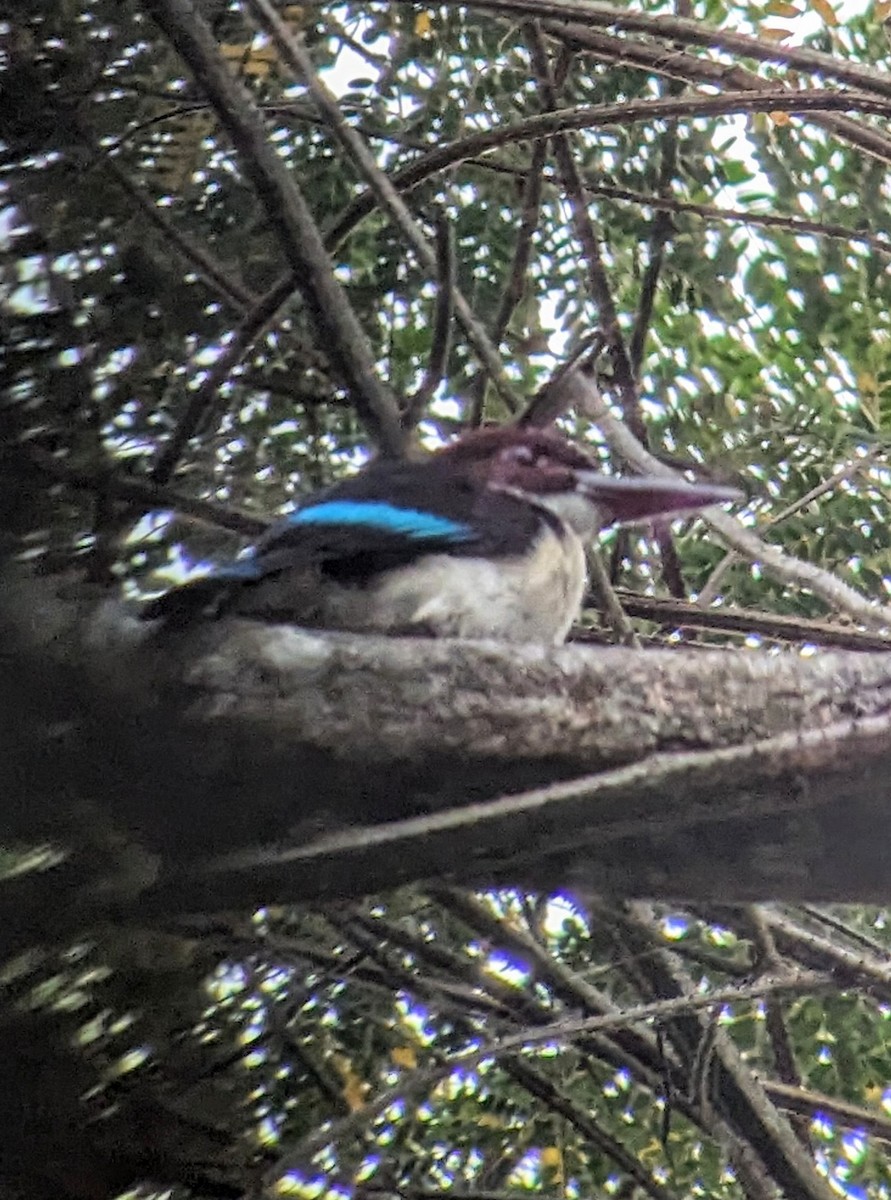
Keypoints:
pixel 530 599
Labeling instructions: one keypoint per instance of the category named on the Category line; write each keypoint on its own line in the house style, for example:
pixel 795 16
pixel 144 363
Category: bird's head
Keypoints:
pixel 556 473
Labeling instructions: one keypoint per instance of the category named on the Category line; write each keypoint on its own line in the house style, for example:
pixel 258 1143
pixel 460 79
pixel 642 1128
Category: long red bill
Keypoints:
pixel 636 497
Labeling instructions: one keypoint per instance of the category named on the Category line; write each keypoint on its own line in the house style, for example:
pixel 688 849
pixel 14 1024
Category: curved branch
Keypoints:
pixel 688 68
pixel 691 32
pixel 598 116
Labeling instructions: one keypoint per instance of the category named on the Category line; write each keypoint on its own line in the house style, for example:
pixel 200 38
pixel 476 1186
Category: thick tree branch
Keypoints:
pixel 376 761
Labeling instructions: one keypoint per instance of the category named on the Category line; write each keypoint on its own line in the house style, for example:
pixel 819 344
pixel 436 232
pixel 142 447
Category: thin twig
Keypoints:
pixel 784 567
pixel 846 471
pixel 607 602
pixel 517 279
pixel 598 284
pixel 717 1070
pixel 692 69
pixel 438 358
pixel 468 149
pixel 537 1084
pixel 525 1006
pixel 858 968
pixel 810 1103
pixel 790 224
pixel 659 237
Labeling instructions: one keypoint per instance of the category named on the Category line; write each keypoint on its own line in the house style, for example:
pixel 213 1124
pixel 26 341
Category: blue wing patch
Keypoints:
pixel 245 568
pixel 387 518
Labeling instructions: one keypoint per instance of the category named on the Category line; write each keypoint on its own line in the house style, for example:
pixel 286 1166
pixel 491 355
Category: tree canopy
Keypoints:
pixel 250 245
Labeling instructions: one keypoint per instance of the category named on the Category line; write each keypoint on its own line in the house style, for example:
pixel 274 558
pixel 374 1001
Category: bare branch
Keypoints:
pixel 516 282
pixel 206 396
pixel 289 215
pixel 437 362
pixel 682 66
pixel 750 621
pixel 598 283
pixel 782 566
pixel 598 116
pixel 688 31
pixel 382 189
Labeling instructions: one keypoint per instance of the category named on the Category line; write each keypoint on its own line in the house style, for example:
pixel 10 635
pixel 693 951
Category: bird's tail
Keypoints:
pixel 206 597
pixel 199 598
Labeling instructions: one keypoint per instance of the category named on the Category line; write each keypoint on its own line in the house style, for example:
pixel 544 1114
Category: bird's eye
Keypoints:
pixel 520 454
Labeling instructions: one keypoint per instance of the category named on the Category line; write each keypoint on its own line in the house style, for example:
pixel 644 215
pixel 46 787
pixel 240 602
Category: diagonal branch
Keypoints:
pixel 441 343
pixel 117 485
pixel 205 396
pixel 684 67
pixel 782 566
pixel 692 32
pixel 290 218
pixel 844 472
pixel 227 285
pixel 515 285
pixel 726 1082
pixel 385 195
pixel 539 1085
pixel 598 283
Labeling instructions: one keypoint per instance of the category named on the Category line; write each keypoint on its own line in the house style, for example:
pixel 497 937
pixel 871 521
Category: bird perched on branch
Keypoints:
pixel 482 539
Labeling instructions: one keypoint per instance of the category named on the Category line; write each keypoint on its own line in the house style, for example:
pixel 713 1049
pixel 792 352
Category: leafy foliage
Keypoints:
pixel 747 256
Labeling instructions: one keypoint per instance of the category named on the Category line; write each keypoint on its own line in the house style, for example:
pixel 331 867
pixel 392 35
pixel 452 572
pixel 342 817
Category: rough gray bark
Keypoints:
pixel 238 763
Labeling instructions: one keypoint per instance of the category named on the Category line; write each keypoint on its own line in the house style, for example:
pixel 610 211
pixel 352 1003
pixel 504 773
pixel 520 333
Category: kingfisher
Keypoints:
pixel 482 539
